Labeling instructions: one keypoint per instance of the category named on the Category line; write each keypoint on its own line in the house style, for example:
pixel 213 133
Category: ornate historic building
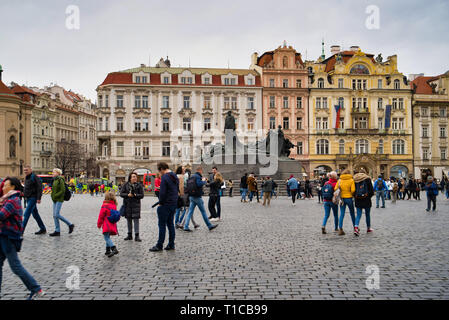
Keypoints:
pixel 360 114
pixel 285 97
pixel 430 125
pixel 15 131
pixel 143 113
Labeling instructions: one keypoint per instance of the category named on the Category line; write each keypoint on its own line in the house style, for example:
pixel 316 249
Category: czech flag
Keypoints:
pixel 336 116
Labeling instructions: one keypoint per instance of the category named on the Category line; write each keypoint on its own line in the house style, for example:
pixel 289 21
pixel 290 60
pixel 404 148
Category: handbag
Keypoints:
pixel 337 196
pixel 123 209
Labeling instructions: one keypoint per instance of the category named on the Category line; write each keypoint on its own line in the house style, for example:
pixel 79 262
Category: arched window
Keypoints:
pixel 397 84
pixel 341 146
pixel 361 146
pixel 359 69
pixel 398 146
pixel 322 146
pixel 320 83
pixel 381 146
pixel 285 62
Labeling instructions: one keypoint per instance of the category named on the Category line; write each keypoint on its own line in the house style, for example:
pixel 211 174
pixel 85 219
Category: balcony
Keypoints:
pixel 360 111
pixel 46 153
pixel 362 131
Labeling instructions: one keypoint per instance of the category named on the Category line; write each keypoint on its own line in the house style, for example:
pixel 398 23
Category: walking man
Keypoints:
pixel 380 187
pixel 32 194
pixel 195 186
pixel 168 200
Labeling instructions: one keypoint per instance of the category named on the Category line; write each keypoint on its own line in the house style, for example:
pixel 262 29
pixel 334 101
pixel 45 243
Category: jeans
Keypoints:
pixel 8 251
pixel 213 198
pixel 107 238
pixel 31 208
pixel 350 203
pixel 293 193
pixel 243 192
pixel 320 196
pixel 431 199
pixel 328 205
pixel 165 216
pixel 219 206
pixel 380 194
pixel 359 216
pixel 447 193
pixel 196 201
pixel 178 216
pixel 251 195
pixel 57 216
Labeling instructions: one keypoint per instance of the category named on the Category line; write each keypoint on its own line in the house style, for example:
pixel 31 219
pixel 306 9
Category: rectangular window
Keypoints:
pixel 359 84
pixel 380 103
pixel 106 101
pixel 166 80
pixel 380 123
pixel 285 83
pixel 298 83
pixel 119 123
pixel 234 103
pixel 363 123
pixel 365 103
pixel 250 124
pixel 443 132
pixel 100 101
pixel 251 103
pixel 120 149
pixel 285 102
pixel 249 81
pixel 165 102
pixel 100 124
pixel 187 124
pixel 106 123
pixel 299 123
pixel 401 104
pixel 137 79
pixel 165 124
pixel 299 148
pixel 146 150
pixel 145 102
pixel 379 84
pixel 299 102
pixel 340 83
pixel 425 153
pixel 364 84
pixel 186 102
pixel 443 112
pixel 285 123
pixel 318 103
pixel 425 131
pixel 443 153
pixel 342 123
pixel 137 124
pixel 206 124
pixel 144 79
pixel 165 148
pixel 227 103
pixel 424 111
pixel 395 103
pixel 272 123
pixel 272 101
pixel 354 84
pixel 120 101
pixel 137 148
pixel 207 102
pixel 137 102
pixel 145 124
pixel 271 83
pixel 324 103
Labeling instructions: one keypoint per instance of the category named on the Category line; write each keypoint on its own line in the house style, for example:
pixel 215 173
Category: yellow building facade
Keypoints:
pixel 374 127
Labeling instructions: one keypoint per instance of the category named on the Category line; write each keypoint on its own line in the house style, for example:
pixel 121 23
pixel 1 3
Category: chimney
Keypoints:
pixel 354 48
pixel 335 49
pixel 142 65
pixel 1 71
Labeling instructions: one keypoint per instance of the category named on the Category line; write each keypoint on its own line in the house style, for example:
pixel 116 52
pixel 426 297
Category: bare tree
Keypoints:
pixel 67 157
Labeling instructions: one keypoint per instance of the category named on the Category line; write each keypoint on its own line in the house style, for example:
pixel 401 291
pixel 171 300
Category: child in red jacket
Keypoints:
pixel 109 229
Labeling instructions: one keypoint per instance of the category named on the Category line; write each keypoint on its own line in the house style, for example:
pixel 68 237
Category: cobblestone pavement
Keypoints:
pixel 255 253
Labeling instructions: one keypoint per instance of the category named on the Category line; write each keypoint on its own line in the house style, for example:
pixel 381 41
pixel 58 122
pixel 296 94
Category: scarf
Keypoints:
pixel 6 196
pixel 359 177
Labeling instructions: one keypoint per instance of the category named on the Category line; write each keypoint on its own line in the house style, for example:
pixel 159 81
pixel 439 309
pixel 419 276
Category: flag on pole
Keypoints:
pixel 336 116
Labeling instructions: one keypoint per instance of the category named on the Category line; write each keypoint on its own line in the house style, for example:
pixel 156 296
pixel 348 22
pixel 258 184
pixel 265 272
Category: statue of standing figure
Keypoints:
pixel 12 147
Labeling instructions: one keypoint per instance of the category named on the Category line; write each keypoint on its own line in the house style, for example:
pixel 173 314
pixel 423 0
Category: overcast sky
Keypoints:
pixel 36 48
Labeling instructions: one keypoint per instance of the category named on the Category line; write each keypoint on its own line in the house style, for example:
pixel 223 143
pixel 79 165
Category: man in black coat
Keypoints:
pixel 33 194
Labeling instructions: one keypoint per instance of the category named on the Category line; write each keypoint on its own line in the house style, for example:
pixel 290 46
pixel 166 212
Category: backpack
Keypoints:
pixel 67 193
pixel 275 185
pixel 114 217
pixel 361 190
pixel 327 191
pixel 192 188
pixel 379 185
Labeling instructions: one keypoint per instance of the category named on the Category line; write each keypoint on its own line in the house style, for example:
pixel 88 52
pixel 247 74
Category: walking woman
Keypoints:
pixel 132 193
pixel 214 186
pixel 57 195
pixel 11 231
pixel 363 194
pixel 347 187
pixel 327 194
pixel 181 207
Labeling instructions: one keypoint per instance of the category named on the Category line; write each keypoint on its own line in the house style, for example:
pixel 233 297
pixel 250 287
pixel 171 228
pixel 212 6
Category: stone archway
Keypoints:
pixel 367 163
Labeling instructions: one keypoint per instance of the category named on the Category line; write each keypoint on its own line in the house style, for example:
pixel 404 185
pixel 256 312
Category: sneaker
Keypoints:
pixel 213 220
pixel 155 249
pixel 356 231
pixel 55 234
pixel 213 227
pixel 323 230
pixel 71 227
pixel 369 230
pixel 35 295
pixel 41 232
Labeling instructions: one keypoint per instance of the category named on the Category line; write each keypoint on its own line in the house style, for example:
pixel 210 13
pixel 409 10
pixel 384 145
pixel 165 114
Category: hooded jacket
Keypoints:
pixel 103 220
pixel 347 186
pixel 366 202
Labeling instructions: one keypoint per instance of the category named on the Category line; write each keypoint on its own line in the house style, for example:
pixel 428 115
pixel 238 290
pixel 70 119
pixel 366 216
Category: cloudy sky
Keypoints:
pixel 36 47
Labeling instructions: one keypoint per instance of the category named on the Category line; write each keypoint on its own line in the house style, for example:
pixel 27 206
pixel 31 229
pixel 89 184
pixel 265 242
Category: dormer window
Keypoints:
pixel 186 80
pixel 320 83
pixel 250 80
pixel 206 79
pixel 397 84
pixel 228 81
pixel 141 77
pixel 166 80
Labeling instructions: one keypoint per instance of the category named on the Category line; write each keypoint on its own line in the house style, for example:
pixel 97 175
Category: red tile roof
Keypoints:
pixel 22 89
pixel 4 89
pixel 345 55
pixel 421 85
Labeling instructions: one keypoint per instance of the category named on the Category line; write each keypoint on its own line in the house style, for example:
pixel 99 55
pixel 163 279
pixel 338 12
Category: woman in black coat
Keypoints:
pixel 363 200
pixel 132 193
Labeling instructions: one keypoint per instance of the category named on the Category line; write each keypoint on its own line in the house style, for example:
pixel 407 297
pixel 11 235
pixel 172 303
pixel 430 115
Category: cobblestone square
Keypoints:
pixel 255 253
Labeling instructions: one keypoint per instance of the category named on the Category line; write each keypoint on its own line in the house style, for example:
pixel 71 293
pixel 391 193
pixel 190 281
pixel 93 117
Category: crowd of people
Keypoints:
pixel 179 193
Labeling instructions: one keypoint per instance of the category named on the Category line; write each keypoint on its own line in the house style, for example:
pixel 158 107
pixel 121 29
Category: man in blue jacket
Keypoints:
pixel 195 186
pixel 432 193
pixel 380 187
pixel 168 201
